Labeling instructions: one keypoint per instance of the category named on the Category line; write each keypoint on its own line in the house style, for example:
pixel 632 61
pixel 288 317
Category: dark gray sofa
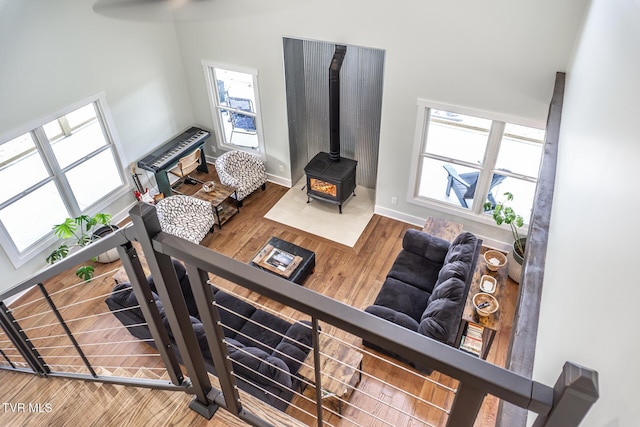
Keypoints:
pixel 251 348
pixel 426 289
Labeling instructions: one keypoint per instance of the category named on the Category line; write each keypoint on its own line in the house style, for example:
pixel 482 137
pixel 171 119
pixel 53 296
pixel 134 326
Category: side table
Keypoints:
pixel 222 204
pixel 491 323
pixel 340 367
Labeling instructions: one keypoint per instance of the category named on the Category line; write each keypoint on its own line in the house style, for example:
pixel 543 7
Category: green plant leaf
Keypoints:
pixel 58 254
pixel 65 230
pixel 85 272
pixel 102 218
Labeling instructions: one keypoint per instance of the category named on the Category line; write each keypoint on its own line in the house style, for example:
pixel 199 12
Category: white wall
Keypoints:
pixel 591 296
pixel 498 56
pixel 55 53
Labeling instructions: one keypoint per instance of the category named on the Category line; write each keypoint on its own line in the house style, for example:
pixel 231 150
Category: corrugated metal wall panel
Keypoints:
pixel 361 83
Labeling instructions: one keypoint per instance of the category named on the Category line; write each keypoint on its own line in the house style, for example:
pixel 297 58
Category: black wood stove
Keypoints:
pixel 330 177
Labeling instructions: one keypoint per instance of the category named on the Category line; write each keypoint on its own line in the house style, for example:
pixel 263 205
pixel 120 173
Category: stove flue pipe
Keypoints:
pixel 334 102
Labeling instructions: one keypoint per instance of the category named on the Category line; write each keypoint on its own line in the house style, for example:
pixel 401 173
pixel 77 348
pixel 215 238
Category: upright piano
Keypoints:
pixel 168 154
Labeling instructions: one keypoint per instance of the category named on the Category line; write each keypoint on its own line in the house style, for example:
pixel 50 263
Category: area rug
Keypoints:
pixel 323 219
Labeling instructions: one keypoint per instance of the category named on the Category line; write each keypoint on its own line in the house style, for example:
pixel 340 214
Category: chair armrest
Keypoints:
pixel 454 174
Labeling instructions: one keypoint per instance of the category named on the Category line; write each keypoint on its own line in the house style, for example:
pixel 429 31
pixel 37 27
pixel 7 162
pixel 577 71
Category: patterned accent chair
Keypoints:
pixel 185 217
pixel 242 171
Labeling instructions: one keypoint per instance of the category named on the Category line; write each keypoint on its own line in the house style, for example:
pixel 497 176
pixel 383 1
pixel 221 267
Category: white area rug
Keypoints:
pixel 323 219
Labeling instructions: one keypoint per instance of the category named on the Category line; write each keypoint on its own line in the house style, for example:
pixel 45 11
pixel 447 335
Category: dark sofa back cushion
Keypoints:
pixel 265 331
pixel 256 364
pixel 462 248
pixel 230 306
pixel 441 318
pixel 295 347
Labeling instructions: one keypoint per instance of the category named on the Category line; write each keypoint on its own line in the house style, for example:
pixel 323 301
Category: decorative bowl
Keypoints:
pixel 485 304
pixel 495 260
pixel 209 186
pixel 488 284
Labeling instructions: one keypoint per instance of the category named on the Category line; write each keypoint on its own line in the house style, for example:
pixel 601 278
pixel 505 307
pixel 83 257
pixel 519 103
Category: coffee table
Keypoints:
pixel 285 259
pixel 340 367
pixel 222 204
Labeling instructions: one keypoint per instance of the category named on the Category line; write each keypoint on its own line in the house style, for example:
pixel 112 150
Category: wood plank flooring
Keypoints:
pixel 351 275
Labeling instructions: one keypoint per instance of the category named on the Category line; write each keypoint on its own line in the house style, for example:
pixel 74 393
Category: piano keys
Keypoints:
pixel 168 154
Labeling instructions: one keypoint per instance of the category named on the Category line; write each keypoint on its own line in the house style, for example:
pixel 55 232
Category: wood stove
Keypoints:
pixel 330 177
pixel 330 181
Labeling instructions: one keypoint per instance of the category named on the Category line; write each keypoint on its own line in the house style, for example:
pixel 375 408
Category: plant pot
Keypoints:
pixel 515 262
pixel 110 255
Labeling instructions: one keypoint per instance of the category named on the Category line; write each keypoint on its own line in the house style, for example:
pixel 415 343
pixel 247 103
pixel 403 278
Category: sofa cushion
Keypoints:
pixel 427 246
pixel 402 297
pixel 264 331
pixel 462 248
pixel 441 318
pixel 294 348
pixel 233 312
pixel 393 316
pixel 457 269
pixel 198 329
pixel 256 364
pixel 123 295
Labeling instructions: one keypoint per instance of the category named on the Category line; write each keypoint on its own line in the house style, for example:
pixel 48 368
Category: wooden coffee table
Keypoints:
pixel 223 205
pixel 340 367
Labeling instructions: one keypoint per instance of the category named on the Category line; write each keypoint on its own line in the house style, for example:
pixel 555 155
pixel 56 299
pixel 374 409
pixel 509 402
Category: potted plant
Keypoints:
pixel 504 214
pixel 79 232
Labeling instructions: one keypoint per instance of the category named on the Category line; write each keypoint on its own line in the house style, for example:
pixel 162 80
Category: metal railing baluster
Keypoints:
pixel 20 341
pixel 147 225
pixel 66 329
pixel 210 316
pixel 138 281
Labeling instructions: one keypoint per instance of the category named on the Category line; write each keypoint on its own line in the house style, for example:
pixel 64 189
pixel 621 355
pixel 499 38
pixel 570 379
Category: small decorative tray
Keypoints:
pixel 487 284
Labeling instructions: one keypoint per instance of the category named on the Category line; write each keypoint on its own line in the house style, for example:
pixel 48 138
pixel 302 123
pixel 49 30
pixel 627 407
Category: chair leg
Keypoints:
pixel 449 184
pixel 264 186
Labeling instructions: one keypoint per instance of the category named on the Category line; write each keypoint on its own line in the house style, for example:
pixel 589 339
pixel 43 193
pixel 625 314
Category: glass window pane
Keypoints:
pixel 81 116
pixel 235 84
pixel 523 192
pixel 521 150
pixel 79 144
pixel 236 94
pixel 94 179
pixel 435 182
pixel 31 218
pixel 20 166
pixel 457 136
pixel 53 130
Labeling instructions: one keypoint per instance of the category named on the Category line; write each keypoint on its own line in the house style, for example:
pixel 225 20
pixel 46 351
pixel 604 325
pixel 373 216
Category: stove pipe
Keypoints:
pixel 334 102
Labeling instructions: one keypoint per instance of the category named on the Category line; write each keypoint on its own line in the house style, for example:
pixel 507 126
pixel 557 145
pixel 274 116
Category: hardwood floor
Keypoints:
pixel 350 275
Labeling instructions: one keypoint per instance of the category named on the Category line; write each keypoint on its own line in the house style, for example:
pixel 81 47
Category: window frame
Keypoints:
pixel 57 174
pixel 487 168
pixel 215 106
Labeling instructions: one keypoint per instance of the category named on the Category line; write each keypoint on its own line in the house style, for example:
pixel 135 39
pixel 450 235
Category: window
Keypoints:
pixel 465 159
pixel 233 94
pixel 65 166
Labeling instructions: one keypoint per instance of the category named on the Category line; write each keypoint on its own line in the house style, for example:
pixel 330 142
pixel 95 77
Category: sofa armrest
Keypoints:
pixel 425 245
pixel 393 316
pixel 295 346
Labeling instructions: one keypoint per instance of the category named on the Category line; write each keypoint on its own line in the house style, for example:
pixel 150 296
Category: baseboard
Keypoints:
pixel 285 182
pixel 400 216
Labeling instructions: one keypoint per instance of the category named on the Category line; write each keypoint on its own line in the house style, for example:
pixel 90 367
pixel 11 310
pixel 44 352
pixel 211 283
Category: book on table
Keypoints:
pixel 472 342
